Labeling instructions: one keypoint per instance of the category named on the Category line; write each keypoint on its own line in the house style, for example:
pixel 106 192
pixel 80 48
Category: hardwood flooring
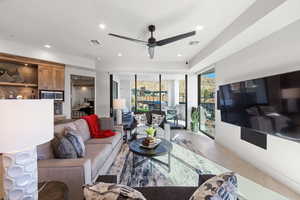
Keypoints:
pixel 206 147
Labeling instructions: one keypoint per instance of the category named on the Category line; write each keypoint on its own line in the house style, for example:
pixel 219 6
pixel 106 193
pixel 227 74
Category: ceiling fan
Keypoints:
pixel 152 43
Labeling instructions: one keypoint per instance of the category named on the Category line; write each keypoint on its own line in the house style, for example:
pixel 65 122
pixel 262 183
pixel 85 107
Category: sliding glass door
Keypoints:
pixel 147 93
pixel 162 92
pixel 207 102
pixel 173 91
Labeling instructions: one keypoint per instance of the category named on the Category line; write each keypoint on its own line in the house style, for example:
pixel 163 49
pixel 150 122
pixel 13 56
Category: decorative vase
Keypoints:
pixel 6 77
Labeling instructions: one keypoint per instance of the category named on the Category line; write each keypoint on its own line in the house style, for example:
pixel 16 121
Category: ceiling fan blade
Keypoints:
pixel 127 38
pixel 151 52
pixel 175 38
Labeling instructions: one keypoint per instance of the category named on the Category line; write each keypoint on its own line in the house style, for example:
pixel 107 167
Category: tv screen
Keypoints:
pixel 270 104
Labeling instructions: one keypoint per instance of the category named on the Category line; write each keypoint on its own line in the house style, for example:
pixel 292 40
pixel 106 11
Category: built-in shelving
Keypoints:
pixel 18 84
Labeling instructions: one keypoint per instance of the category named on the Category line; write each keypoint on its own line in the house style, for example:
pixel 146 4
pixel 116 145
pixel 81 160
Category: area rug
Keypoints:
pixel 145 175
pixel 184 171
pixel 185 168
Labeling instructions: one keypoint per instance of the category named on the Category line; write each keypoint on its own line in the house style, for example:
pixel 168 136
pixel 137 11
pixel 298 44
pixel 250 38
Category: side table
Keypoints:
pixel 53 190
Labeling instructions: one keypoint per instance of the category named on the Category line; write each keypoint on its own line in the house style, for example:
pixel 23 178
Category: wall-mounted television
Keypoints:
pixel 270 104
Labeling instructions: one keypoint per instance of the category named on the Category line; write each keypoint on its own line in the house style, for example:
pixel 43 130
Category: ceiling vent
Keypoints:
pixel 95 42
pixel 192 43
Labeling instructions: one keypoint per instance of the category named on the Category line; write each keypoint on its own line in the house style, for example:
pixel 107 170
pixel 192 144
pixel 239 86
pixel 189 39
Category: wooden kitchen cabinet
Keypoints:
pixel 59 78
pixel 51 77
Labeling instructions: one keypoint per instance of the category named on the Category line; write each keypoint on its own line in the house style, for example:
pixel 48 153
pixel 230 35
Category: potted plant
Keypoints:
pixel 150 139
pixel 195 117
pixel 150 131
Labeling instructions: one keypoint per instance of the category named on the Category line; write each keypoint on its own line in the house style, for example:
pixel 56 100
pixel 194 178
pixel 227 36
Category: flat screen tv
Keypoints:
pixel 270 105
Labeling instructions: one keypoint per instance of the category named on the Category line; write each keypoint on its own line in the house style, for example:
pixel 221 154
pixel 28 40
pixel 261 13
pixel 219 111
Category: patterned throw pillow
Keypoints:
pixel 157 119
pixel 76 133
pixel 77 143
pixel 141 119
pixel 103 191
pixel 221 187
pixel 63 148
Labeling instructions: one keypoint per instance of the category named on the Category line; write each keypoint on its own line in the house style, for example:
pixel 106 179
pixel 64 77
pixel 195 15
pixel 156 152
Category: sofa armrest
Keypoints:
pixel 106 123
pixel 118 128
pixel 73 172
pixel 204 177
pixel 108 179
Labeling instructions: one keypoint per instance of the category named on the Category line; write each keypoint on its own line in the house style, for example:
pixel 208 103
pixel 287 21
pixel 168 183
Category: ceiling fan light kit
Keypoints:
pixel 152 42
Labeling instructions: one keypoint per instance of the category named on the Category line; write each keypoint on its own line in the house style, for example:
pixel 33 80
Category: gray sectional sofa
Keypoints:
pixel 100 154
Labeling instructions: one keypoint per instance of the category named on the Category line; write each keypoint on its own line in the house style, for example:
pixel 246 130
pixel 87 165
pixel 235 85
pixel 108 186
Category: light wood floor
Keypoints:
pixel 226 158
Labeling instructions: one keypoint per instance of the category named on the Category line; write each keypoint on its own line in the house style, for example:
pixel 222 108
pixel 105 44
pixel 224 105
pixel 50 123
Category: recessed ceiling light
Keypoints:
pixel 26 64
pixel 47 46
pixel 94 42
pixel 120 54
pixel 102 26
pixel 199 28
pixel 179 55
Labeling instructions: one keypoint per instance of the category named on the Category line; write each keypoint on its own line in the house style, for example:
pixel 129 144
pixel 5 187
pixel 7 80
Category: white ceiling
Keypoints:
pixel 68 25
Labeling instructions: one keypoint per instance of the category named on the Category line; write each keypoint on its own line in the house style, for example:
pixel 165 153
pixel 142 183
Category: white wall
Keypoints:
pixel 102 94
pixel 125 92
pixel 71 70
pixel 192 95
pixel 275 54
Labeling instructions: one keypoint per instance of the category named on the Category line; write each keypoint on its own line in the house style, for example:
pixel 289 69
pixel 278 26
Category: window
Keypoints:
pixel 207 102
pixel 173 91
pixel 148 92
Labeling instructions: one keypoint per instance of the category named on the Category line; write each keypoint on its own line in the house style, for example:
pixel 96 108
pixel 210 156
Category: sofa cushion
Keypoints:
pixel 60 128
pixel 45 151
pixel 106 123
pixel 98 154
pixel 83 129
pixel 113 140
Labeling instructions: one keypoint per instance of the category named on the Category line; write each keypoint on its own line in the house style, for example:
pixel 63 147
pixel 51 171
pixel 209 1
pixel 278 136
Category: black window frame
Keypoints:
pixel 160 96
pixel 199 102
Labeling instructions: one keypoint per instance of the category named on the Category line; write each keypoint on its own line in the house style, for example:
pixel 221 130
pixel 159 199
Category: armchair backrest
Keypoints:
pixel 149 116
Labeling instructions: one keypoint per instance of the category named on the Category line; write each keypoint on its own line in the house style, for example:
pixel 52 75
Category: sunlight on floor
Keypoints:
pixel 185 166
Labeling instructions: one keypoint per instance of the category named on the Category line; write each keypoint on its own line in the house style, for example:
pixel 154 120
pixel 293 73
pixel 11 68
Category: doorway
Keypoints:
pixel 82 96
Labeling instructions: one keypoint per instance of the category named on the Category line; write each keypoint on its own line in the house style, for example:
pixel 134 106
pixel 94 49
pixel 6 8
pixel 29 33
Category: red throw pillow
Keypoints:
pixel 95 129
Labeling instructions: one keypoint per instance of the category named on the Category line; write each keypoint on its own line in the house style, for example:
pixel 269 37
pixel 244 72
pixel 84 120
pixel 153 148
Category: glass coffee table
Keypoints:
pixel 164 147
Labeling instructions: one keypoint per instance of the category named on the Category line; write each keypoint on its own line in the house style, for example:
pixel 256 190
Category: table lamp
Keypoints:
pixel 119 105
pixel 24 124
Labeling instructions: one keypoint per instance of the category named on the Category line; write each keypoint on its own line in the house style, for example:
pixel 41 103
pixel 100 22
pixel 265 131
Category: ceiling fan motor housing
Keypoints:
pixel 151 41
pixel 151 28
